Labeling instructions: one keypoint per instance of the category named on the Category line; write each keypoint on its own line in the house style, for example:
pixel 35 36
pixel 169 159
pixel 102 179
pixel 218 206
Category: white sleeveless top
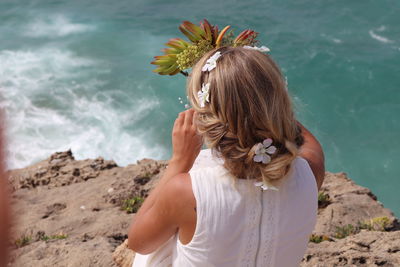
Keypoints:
pixel 242 225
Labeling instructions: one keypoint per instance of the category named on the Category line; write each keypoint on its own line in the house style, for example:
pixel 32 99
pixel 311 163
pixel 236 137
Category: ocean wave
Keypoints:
pixel 380 38
pixel 54 101
pixel 55 26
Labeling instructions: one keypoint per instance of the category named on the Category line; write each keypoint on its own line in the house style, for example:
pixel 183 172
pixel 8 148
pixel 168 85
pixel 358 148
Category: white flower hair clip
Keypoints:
pixel 265 186
pixel 263 151
pixel 204 94
pixel 262 154
pixel 262 49
pixel 211 63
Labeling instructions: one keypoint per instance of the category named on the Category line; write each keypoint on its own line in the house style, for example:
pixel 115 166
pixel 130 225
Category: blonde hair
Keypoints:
pixel 248 103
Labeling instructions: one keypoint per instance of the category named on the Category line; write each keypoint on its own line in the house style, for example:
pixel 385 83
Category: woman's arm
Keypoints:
pixel 311 150
pixel 159 216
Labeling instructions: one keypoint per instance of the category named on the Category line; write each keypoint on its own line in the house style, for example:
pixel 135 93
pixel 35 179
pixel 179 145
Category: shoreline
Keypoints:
pixel 77 212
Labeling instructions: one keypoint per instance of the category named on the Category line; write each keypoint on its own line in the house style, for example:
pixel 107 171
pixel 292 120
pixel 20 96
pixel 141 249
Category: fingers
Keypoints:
pixel 189 117
pixel 185 120
pixel 194 126
pixel 180 119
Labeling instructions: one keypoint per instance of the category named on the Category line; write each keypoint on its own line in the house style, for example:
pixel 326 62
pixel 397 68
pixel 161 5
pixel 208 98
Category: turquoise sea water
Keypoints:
pixel 76 74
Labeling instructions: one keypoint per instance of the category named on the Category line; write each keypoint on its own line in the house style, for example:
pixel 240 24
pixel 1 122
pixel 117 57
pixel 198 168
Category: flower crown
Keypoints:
pixel 182 55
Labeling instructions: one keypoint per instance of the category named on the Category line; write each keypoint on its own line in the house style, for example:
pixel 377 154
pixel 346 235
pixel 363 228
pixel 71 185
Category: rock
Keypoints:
pixel 348 204
pixel 53 229
pixel 351 204
pixel 367 248
pixel 47 198
pixel 54 209
pixel 61 169
pixel 123 256
pixel 61 156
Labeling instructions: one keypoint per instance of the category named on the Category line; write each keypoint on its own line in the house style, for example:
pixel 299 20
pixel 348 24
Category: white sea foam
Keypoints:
pixel 55 26
pixel 333 39
pixel 380 38
pixel 53 102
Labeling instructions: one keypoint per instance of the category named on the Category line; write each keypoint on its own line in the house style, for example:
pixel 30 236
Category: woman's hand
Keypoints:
pixel 161 214
pixel 186 142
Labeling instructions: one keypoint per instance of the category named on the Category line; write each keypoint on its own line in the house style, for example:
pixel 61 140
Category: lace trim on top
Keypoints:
pixel 269 232
pixel 252 240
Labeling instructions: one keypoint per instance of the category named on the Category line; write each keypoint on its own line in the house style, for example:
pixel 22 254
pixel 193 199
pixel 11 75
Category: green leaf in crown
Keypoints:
pixel 182 55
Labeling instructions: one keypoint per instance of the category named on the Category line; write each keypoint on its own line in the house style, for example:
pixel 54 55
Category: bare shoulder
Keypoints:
pixel 178 192
pixel 180 184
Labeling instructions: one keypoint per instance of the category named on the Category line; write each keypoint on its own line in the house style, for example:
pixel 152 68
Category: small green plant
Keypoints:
pixel 132 205
pixel 42 236
pixel 375 224
pixel 45 238
pixel 59 236
pixel 365 225
pixel 323 200
pixel 319 238
pixel 344 231
pixel 23 241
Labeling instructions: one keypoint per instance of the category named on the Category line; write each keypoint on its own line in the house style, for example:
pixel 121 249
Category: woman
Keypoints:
pixel 216 213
